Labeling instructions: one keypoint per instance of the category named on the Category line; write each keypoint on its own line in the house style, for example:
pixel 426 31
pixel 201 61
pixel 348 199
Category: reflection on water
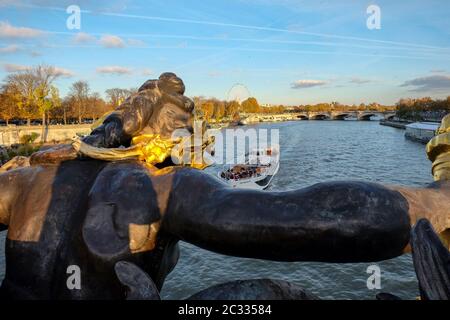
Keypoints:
pixel 312 152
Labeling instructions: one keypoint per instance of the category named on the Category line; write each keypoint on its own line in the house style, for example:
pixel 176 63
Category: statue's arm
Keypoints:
pixel 125 122
pixel 110 134
pixel 333 222
pixel 10 190
pixel 431 203
pixel 135 114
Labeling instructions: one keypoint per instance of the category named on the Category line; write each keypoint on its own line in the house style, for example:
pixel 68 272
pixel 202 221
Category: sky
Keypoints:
pixel 280 51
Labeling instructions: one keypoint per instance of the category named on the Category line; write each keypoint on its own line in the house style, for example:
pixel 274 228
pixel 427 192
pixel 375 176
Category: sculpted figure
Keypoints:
pixel 431 263
pixel 123 218
pixel 159 107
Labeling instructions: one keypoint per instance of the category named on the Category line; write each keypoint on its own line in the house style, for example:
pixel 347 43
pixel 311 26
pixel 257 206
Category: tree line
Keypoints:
pixel 31 95
pixel 218 110
pixel 423 109
pixel 408 109
pixel 336 107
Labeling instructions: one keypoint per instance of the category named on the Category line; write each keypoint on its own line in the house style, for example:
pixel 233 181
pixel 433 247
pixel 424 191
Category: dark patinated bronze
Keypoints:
pixel 121 221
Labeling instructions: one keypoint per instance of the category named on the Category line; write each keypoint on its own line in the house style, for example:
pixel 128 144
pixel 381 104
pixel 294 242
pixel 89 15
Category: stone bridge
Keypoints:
pixel 317 115
pixel 341 115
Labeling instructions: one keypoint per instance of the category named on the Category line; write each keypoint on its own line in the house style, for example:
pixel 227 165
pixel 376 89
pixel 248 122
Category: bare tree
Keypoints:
pixel 35 94
pixel 97 107
pixel 8 103
pixel 22 85
pixel 117 95
pixel 80 93
pixel 46 96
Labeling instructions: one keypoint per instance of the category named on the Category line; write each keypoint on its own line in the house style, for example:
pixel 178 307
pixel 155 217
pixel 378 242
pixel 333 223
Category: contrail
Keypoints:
pixel 428 56
pixel 316 43
pixel 242 26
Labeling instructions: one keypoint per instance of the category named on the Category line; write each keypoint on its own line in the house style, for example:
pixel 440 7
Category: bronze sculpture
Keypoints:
pixel 126 217
pixel 431 263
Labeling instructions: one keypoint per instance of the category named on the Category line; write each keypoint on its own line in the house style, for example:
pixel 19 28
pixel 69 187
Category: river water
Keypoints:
pixel 312 152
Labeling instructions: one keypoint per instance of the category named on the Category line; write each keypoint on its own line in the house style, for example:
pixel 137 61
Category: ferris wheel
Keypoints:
pixel 238 92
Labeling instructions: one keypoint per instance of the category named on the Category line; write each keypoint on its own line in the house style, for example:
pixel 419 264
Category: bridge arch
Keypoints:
pixel 320 116
pixel 302 117
pixel 341 116
pixel 366 116
pixel 390 117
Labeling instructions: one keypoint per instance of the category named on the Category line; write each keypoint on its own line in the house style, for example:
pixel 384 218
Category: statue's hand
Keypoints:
pixel 181 101
pixel 137 283
pixel 56 154
pixel 16 162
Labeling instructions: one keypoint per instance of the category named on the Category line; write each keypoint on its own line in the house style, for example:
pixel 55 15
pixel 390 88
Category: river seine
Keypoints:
pixel 312 152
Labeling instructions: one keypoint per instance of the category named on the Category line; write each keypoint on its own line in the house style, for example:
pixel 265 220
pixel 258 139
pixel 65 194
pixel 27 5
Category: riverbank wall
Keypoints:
pixel 395 124
pixel 11 135
pixel 417 131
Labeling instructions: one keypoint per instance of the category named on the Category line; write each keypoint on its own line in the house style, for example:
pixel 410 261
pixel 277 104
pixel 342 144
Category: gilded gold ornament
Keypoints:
pixel 438 151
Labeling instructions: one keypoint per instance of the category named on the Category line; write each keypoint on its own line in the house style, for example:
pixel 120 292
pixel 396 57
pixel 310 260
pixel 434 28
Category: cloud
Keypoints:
pixel 110 41
pixel 136 43
pixel 15 49
pixel 429 83
pixel 11 32
pixel 94 6
pixel 57 71
pixel 61 72
pixel 438 71
pixel 82 37
pixel 117 70
pixel 6 3
pixel 10 67
pixel 300 84
pixel 359 80
pixel 10 49
pixel 147 72
pixel 213 74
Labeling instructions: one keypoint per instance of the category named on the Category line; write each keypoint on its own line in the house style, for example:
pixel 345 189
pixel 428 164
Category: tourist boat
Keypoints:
pixel 421 131
pixel 257 172
pixel 351 118
pixel 237 123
